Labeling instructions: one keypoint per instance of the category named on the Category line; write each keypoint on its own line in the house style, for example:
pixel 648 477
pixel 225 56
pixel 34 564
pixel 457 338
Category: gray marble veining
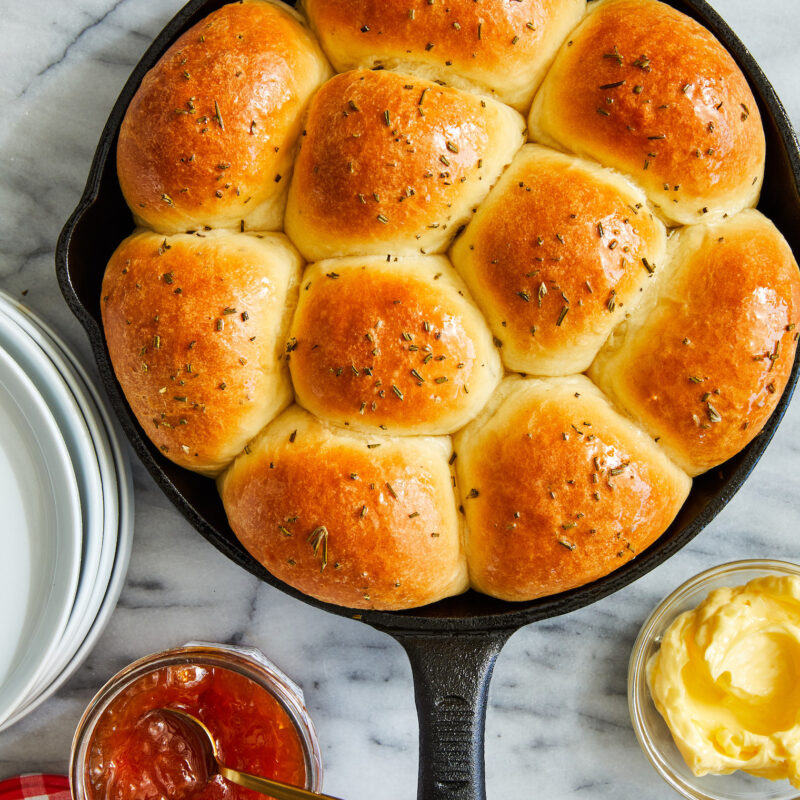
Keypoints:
pixel 558 723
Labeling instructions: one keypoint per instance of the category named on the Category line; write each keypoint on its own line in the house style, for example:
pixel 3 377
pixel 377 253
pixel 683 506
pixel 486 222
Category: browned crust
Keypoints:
pixel 683 122
pixel 357 521
pixel 708 367
pixel 386 159
pixel 493 44
pixel 556 255
pixel 395 346
pixel 195 328
pixel 210 133
pixel 596 493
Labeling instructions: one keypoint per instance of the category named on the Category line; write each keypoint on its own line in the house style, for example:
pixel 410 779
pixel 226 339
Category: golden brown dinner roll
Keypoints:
pixel 357 520
pixel 503 48
pixel 395 345
pixel 556 255
pixel 394 164
pixel 209 138
pixel 645 89
pixel 558 489
pixel 196 327
pixel 703 360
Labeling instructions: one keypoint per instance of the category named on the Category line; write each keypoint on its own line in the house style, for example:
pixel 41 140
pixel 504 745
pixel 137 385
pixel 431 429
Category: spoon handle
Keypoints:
pixel 279 791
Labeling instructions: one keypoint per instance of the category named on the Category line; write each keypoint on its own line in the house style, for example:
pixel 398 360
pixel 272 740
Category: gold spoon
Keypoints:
pixel 276 789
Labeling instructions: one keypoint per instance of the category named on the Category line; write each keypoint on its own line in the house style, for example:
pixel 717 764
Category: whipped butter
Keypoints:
pixel 727 680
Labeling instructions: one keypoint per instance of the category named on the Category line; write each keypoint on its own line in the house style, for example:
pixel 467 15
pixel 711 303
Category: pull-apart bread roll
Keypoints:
pixel 558 488
pixel 210 136
pixel 397 346
pixel 498 47
pixel 394 164
pixel 704 359
pixel 644 89
pixel 361 521
pixel 556 255
pixel 196 327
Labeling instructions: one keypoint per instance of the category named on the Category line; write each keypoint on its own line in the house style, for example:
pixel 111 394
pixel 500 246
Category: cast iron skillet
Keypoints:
pixel 453 644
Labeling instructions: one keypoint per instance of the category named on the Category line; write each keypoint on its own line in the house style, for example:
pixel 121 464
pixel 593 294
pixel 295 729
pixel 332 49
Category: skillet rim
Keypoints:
pixel 451 615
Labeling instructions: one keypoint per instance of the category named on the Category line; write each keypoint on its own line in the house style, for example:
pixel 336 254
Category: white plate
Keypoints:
pixel 40 538
pixel 62 403
pixel 117 493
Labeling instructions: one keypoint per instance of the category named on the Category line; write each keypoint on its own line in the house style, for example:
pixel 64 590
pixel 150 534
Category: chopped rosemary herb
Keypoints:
pixel 318 539
pixel 542 293
pixel 565 543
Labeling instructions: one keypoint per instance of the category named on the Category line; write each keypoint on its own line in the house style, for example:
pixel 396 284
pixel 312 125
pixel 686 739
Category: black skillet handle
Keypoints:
pixel 451 685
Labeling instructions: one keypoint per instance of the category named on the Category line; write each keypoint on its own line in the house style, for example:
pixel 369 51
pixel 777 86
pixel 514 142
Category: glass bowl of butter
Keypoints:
pixel 714 683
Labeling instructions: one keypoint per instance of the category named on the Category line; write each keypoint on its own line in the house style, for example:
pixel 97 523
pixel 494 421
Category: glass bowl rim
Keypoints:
pixel 247 661
pixel 637 662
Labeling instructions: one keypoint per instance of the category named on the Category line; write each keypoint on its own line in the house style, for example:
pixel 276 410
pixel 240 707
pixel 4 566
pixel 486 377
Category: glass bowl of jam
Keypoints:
pixel 125 750
pixel 733 638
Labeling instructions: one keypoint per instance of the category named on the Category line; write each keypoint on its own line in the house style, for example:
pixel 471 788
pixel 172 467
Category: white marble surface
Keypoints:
pixel 558 722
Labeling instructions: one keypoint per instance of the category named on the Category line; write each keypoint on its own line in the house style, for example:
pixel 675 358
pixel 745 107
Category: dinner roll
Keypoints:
pixel 556 255
pixel 502 48
pixel 394 164
pixel 704 359
pixel 397 346
pixel 645 89
pixel 558 489
pixel 360 521
pixel 210 136
pixel 196 327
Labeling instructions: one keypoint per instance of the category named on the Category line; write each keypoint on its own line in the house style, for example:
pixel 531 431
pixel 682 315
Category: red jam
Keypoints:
pixel 138 754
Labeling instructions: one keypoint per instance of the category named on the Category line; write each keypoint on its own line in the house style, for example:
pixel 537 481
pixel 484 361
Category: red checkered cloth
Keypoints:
pixel 35 787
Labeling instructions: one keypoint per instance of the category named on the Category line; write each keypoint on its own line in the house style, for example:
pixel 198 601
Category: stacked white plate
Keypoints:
pixel 66 512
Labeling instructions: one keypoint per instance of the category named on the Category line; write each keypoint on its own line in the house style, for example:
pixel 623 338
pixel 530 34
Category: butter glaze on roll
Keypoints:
pixel 556 255
pixel 389 163
pixel 357 520
pixel 209 138
pixel 195 329
pixel 502 48
pixel 398 345
pixel 558 488
pixel 644 89
pixel 350 495
pixel 703 361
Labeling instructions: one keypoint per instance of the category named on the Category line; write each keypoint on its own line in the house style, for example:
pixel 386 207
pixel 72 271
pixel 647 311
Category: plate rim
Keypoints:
pixel 71 421
pixel 68 523
pixel 118 467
